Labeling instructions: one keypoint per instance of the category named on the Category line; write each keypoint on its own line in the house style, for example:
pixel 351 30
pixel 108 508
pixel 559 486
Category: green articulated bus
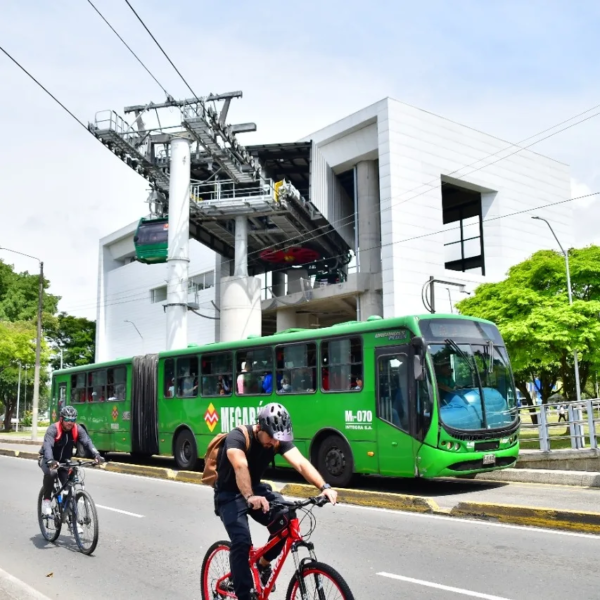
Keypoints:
pixel 416 396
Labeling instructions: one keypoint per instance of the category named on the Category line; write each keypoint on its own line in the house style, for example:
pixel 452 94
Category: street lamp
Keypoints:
pixel 128 321
pixel 38 345
pixel 566 255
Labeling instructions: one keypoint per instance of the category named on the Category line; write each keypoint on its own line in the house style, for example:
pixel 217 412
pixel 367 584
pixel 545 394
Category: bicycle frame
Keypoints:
pixel 293 540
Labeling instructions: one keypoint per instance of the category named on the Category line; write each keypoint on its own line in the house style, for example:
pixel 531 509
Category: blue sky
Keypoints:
pixel 510 68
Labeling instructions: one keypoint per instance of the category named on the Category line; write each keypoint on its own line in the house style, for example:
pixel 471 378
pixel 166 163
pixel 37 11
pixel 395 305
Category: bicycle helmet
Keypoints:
pixel 275 420
pixel 68 413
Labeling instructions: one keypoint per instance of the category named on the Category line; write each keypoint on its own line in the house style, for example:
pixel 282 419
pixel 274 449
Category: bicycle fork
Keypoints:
pixel 300 564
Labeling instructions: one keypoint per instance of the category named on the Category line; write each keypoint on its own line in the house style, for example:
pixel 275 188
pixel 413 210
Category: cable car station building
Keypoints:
pixel 379 213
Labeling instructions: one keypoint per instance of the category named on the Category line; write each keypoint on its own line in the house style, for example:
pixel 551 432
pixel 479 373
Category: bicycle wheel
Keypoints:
pixel 215 566
pixel 85 522
pixel 49 525
pixel 321 582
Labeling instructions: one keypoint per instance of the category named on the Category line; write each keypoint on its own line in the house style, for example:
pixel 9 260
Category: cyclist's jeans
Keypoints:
pixel 234 512
pixel 50 476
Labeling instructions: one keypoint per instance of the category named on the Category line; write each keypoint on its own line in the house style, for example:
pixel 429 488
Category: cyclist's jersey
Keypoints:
pixel 58 443
pixel 259 458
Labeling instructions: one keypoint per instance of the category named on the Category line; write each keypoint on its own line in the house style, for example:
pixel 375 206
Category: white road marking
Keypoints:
pixel 123 512
pixel 12 587
pixel 439 586
pixel 463 521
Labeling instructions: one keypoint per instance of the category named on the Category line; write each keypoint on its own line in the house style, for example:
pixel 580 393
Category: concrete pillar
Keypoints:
pixel 288 318
pixel 241 247
pixel 240 295
pixel 369 233
pixel 179 238
pixel 278 283
pixel 294 276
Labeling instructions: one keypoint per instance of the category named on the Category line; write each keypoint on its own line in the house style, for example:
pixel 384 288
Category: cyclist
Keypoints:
pixel 239 490
pixel 58 445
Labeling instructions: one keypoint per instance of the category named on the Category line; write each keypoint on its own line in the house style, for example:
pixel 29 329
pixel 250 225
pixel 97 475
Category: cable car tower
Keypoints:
pixel 206 185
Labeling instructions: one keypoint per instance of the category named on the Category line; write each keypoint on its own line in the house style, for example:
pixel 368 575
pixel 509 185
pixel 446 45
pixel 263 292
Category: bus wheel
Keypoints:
pixel 335 462
pixel 186 453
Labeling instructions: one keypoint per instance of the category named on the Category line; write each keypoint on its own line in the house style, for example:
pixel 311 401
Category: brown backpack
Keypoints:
pixel 209 475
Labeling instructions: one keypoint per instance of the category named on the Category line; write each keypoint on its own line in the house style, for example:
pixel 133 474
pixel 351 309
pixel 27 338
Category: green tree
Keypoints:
pixel 539 327
pixel 17 347
pixel 76 337
pixel 19 296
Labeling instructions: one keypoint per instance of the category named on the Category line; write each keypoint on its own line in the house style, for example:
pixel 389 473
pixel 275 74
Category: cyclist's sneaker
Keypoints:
pixel 79 528
pixel 265 574
pixel 46 508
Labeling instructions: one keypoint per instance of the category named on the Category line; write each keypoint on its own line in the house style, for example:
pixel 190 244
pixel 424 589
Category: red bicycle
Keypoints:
pixel 312 580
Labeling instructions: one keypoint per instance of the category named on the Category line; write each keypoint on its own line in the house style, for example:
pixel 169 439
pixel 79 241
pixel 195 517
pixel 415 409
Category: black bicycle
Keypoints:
pixel 71 504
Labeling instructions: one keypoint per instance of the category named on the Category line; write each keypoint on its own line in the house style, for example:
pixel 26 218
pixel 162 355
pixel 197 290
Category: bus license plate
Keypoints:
pixel 489 459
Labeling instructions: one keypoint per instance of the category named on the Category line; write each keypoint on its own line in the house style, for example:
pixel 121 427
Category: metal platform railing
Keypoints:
pixel 579 419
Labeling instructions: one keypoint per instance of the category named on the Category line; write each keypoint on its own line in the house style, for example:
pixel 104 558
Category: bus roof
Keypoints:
pixel 297 334
pixel 111 363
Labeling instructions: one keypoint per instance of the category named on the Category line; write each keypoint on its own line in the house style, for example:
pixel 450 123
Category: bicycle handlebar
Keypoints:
pixel 315 500
pixel 78 463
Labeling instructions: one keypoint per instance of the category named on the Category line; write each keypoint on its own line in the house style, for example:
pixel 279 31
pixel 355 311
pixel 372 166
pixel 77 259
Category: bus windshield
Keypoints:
pixel 475 385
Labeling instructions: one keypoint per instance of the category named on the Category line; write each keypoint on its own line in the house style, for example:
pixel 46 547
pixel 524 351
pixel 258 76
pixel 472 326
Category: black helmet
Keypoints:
pixel 68 413
pixel 275 420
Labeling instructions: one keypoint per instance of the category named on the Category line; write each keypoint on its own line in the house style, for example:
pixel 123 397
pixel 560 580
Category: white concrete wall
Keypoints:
pixel 416 148
pixel 124 294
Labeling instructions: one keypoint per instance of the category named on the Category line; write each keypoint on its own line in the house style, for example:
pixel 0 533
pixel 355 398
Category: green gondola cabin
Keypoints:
pixel 152 240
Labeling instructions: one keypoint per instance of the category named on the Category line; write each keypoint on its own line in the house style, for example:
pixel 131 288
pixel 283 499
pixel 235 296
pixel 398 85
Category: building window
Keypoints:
pixel 200 282
pixel 296 368
pixel 463 229
pixel 254 371
pixel 341 362
pixel 158 294
pixel 217 374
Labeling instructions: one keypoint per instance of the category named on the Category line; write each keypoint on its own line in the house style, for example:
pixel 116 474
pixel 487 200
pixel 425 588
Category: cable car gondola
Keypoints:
pixel 152 240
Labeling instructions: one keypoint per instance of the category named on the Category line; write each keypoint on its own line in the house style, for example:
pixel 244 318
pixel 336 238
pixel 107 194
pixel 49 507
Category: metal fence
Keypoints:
pixel 544 423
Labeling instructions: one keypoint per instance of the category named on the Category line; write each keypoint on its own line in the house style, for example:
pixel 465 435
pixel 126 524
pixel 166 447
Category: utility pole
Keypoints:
pixel 38 352
pixel 18 396
pixel 566 255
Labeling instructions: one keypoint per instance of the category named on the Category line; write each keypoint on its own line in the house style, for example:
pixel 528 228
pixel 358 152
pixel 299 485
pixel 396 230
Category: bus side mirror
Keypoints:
pixel 419 358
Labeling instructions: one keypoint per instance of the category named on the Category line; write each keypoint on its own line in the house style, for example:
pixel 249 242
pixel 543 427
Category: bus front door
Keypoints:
pixel 395 391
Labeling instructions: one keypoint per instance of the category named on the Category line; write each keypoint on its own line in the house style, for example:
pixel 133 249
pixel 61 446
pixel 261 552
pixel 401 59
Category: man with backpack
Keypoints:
pixel 59 441
pixel 244 455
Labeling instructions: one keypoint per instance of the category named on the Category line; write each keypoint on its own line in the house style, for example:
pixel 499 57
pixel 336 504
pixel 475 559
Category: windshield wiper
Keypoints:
pixel 473 366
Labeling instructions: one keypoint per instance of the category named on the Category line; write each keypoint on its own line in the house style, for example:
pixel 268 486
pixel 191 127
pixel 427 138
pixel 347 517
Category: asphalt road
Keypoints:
pixel 153 548
pixel 447 493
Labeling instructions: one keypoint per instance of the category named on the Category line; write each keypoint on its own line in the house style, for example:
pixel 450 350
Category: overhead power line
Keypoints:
pixel 162 50
pixel 130 50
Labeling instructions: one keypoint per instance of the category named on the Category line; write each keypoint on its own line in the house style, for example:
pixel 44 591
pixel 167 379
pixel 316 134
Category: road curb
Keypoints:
pixel 11 587
pixel 548 518
pixel 19 454
pixel 371 499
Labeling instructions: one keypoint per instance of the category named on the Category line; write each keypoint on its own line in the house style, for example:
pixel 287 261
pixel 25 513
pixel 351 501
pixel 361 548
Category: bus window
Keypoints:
pixel 97 386
pixel 169 378
pixel 341 362
pixel 78 388
pixel 217 374
pixel 187 377
pixel 392 398
pixel 296 368
pixel 62 395
pixel 116 381
pixel 254 371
